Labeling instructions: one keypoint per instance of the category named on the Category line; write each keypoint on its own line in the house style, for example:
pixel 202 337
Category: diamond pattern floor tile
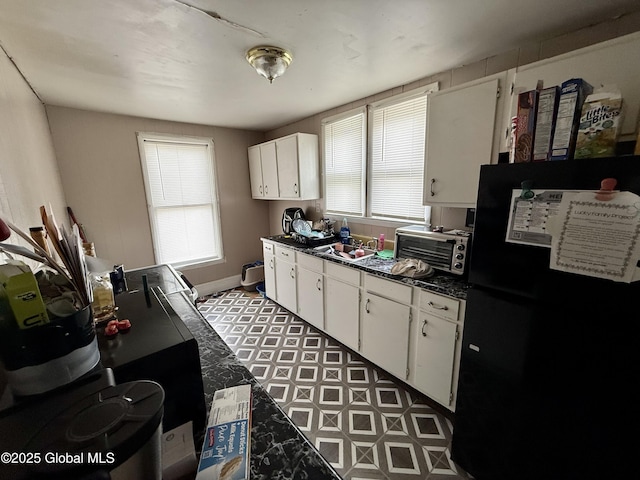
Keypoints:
pixel 365 424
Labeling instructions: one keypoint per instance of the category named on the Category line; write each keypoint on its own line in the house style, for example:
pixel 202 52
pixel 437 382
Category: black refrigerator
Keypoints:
pixel 549 364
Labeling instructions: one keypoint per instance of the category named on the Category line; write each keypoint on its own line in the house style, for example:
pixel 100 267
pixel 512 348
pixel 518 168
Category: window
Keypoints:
pixel 344 162
pixel 386 177
pixel 397 139
pixel 181 189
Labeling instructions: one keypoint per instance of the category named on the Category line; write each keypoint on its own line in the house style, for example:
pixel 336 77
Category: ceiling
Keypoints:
pixel 183 60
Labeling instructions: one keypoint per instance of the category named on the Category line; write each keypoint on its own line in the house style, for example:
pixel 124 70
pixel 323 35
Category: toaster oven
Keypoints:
pixel 447 251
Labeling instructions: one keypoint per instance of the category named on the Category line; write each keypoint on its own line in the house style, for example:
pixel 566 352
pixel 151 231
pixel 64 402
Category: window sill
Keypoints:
pixel 186 266
pixel 378 222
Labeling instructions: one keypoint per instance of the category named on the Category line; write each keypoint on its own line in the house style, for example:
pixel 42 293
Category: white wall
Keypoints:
pixel 102 179
pixel 29 175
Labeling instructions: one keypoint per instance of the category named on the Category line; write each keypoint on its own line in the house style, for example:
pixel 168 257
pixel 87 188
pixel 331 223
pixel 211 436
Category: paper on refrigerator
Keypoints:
pixel 597 238
pixel 529 215
pixel 226 447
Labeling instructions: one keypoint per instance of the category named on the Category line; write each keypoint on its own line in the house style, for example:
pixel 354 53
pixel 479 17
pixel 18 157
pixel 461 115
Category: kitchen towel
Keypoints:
pixel 410 267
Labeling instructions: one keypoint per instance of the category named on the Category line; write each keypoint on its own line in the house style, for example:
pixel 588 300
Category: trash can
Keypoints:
pixel 252 274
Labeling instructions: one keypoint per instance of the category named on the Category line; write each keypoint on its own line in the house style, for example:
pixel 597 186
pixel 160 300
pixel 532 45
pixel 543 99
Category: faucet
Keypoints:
pixel 375 244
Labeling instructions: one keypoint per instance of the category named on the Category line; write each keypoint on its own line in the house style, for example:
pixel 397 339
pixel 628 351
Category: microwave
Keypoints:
pixel 447 251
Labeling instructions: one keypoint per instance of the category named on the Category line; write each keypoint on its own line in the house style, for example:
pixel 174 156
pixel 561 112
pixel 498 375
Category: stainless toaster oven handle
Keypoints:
pixel 436 237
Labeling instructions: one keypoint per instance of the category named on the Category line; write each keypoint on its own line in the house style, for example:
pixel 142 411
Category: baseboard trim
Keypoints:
pixel 219 285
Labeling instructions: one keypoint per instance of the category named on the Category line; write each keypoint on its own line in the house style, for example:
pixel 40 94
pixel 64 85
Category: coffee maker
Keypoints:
pixel 289 215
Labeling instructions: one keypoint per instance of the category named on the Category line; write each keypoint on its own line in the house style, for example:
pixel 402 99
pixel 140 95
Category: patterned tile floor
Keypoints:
pixel 364 424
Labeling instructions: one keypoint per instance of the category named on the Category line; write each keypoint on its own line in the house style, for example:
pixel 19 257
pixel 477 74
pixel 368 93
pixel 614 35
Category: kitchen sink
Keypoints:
pixel 336 250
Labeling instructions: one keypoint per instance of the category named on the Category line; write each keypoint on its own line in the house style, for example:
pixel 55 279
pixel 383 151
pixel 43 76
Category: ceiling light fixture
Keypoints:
pixel 270 62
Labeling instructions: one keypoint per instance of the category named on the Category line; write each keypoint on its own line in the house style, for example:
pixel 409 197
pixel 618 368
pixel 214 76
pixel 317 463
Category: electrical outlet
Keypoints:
pixel 318 206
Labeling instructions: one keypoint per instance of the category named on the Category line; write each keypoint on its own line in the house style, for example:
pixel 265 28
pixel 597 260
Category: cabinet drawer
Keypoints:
pixel 385 288
pixel 344 274
pixel 285 254
pixel 440 306
pixel 268 248
pixel 309 262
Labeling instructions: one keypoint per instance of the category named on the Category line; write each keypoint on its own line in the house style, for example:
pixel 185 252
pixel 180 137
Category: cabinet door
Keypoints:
pixel 310 289
pixel 435 351
pixel 288 178
pixel 270 276
pixel 286 282
pixel 385 334
pixel 255 172
pixel 269 170
pixel 342 311
pixel 460 134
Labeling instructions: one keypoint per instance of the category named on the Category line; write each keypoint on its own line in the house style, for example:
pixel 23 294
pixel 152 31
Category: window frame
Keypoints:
pixel 215 202
pixel 363 184
pixel 366 217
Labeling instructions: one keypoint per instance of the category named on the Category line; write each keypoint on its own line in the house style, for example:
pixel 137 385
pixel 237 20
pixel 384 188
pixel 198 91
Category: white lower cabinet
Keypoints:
pixel 310 288
pixel 342 305
pixel 286 278
pixel 268 252
pixel 385 333
pixel 408 331
pixel 435 347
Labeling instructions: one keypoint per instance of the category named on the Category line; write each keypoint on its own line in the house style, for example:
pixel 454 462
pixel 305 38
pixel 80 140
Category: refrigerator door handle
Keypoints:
pixel 424 325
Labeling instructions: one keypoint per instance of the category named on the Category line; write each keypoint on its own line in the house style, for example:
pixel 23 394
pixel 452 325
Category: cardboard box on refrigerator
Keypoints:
pixel 525 126
pixel 572 95
pixel 600 123
pixel 226 448
pixel 545 123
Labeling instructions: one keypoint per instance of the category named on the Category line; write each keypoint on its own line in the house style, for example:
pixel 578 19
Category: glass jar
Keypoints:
pixel 104 303
pixel 89 249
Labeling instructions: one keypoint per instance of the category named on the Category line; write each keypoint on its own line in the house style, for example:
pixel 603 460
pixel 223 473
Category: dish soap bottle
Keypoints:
pixel 381 242
pixel 344 232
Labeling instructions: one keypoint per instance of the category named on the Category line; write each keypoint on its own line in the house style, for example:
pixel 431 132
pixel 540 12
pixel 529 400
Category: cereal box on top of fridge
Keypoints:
pixel 600 123
pixel 572 95
pixel 526 125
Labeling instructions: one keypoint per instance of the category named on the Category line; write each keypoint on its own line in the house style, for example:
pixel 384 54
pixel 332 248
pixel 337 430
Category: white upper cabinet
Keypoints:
pixel 288 168
pixel 461 136
pixel 255 172
pixel 263 170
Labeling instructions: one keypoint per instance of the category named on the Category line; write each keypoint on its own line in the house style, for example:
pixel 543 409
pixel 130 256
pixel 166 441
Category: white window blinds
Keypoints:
pixel 182 200
pixel 397 159
pixel 344 163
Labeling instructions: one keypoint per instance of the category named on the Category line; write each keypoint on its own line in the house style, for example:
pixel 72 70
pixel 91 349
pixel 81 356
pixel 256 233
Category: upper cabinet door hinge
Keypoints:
pixel 457 334
pixel 498 92
pixel 410 317
pixel 407 373
pixel 512 88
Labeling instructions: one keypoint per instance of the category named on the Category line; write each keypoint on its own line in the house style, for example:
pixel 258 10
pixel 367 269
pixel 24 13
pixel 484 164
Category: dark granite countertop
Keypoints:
pixel 279 451
pixel 441 282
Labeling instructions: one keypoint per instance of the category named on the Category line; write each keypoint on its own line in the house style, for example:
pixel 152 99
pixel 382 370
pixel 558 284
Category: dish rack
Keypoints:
pixel 314 241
